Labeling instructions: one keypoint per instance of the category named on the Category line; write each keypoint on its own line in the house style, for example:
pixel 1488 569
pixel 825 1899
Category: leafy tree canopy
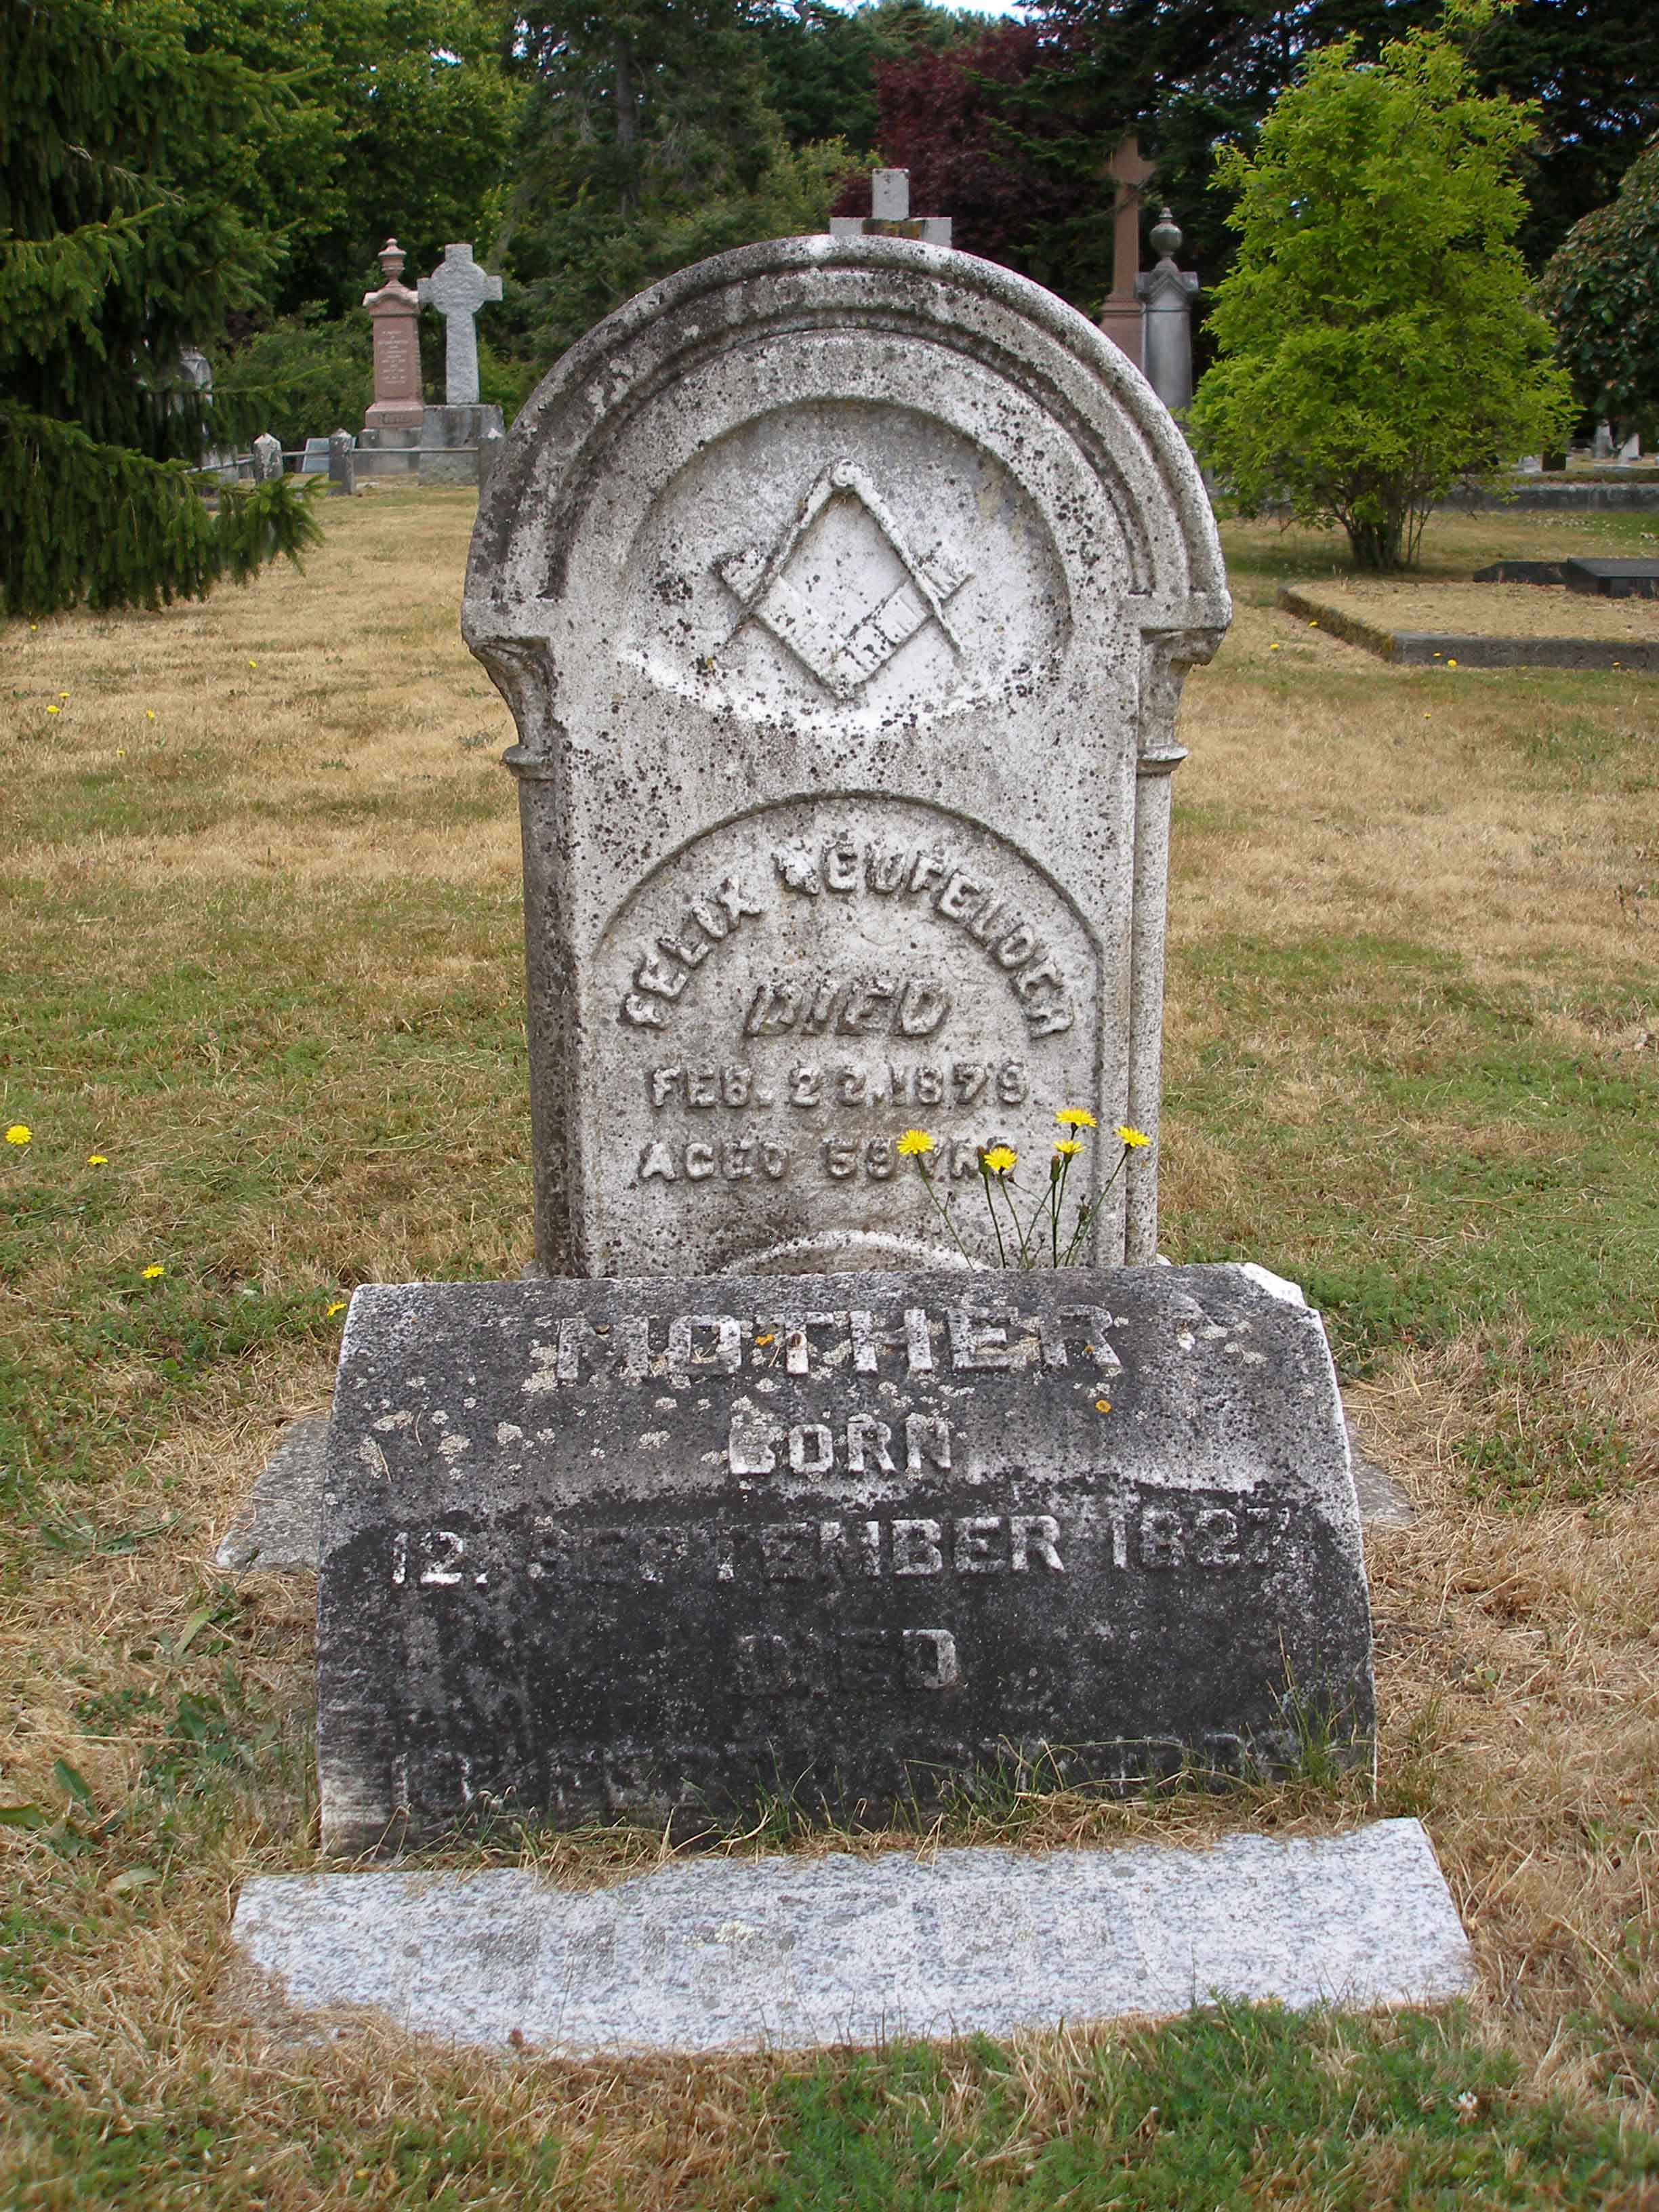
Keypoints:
pixel 1375 337
pixel 1601 292
pixel 121 243
pixel 402 119
pixel 984 126
pixel 822 61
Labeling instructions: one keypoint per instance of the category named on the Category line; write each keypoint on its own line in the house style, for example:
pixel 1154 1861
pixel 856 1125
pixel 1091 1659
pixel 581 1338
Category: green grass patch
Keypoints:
pixel 1232 2107
pixel 1462 1168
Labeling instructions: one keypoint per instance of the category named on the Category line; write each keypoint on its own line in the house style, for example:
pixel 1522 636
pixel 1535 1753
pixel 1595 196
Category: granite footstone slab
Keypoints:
pixel 805 1952
pixel 843 591
pixel 671 1547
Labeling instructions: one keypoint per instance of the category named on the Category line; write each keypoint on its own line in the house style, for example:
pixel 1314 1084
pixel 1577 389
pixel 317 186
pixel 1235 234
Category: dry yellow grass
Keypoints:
pixel 1327 796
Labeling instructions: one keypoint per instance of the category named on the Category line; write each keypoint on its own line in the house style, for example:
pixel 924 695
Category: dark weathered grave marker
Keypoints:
pixel 672 1548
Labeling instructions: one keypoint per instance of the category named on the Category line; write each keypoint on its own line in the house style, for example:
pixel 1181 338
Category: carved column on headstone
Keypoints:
pixel 1168 294
pixel 396 313
pixel 1122 315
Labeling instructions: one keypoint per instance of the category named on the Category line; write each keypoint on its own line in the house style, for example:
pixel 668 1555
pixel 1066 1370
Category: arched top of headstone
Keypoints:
pixel 841 591
pixel 970 419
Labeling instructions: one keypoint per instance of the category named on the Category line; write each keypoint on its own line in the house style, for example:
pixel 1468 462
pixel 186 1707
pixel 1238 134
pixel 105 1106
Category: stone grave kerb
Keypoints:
pixel 729 741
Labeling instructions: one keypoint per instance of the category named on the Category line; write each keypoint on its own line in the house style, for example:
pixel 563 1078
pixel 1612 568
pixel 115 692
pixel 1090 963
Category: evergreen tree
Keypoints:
pixel 119 246
pixel 1376 339
pixel 1601 292
pixel 649 141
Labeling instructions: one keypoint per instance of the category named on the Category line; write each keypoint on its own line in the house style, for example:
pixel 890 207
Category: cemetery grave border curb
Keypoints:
pixel 1421 648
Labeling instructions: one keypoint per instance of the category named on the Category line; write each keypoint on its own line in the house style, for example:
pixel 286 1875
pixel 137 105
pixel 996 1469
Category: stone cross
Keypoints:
pixel 1122 316
pixel 457 288
pixel 890 215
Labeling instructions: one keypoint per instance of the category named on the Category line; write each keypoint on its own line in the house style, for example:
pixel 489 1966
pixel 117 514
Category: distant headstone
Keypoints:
pixel 845 656
pixel 489 452
pixel 267 457
pixel 1122 314
pixel 1632 449
pixel 341 464
pixel 457 288
pixel 398 406
pixel 890 215
pixel 314 462
pixel 666 1547
pixel 1167 293
pixel 1601 448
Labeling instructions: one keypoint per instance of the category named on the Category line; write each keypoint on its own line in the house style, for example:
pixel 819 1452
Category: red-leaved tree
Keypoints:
pixel 987 132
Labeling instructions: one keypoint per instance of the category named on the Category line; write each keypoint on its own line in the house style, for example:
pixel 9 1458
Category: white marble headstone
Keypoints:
pixel 457 288
pixel 843 591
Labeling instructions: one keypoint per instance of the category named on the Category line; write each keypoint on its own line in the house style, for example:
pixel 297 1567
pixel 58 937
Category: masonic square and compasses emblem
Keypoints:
pixel 840 589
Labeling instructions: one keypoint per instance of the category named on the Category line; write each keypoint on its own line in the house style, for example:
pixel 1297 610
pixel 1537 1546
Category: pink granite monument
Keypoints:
pixel 396 311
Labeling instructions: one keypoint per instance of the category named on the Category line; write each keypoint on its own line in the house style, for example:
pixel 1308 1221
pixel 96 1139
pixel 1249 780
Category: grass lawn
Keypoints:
pixel 262 1015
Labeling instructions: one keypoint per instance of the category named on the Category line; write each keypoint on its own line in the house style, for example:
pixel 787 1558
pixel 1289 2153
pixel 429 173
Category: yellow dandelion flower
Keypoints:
pixel 1272 649
pixel 914 1143
pixel 120 752
pixel 97 1159
pixel 254 664
pixel 153 1274
pixel 63 695
pixel 1102 1405
pixel 149 714
pixel 54 710
pixel 1067 1146
pixel 338 1306
pixel 1000 1160
pixel 19 1134
pixel 1075 1117
pixel 1134 1139
pixel 1451 663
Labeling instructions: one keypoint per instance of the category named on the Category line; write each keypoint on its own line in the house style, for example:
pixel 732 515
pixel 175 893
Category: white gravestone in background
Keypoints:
pixel 457 288
pixel 842 592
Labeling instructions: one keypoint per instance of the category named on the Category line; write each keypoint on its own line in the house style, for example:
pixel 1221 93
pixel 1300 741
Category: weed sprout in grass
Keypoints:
pixel 1040 1236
